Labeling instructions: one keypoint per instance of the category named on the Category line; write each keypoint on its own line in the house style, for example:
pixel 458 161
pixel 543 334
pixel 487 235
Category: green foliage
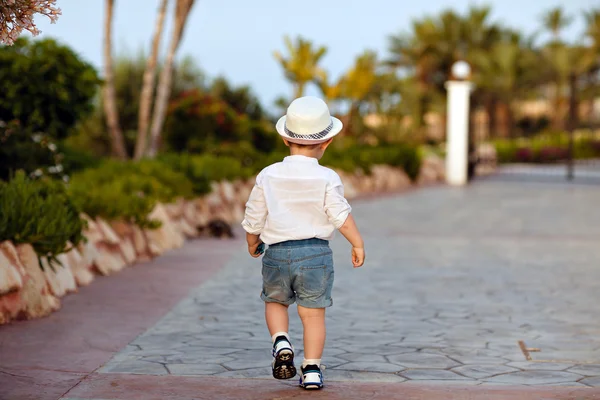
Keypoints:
pixel 128 190
pixel 46 86
pixel 91 133
pixel 20 149
pixel 364 157
pixel 547 147
pixel 38 155
pixel 301 65
pixel 204 169
pixel 198 123
pixel 75 160
pixel 39 212
pixel 240 98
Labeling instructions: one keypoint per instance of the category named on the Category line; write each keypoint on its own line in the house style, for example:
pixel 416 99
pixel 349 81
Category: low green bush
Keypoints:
pixel 21 149
pixel 206 168
pixel 364 157
pixel 547 147
pixel 409 159
pixel 75 160
pixel 39 212
pixel 182 163
pixel 128 190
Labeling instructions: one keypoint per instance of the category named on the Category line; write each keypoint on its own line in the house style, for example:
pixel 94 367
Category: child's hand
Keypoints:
pixel 358 256
pixel 256 250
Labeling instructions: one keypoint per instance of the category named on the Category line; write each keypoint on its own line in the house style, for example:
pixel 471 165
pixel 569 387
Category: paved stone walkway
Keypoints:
pixel 454 279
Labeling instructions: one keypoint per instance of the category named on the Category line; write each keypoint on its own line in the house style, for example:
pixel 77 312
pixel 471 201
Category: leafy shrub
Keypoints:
pixel 244 152
pixel 587 148
pixel 21 149
pixel 203 169
pixel 551 154
pixel 505 151
pixel 523 155
pixel 548 147
pixel 364 157
pixel 115 200
pixel 199 122
pixel 401 156
pixel 45 85
pixel 39 212
pixel 128 190
pixel 264 136
pixel 182 163
pixel 74 160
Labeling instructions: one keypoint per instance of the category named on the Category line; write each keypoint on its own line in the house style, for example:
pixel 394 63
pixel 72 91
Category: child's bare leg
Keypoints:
pixel 283 353
pixel 277 318
pixel 313 321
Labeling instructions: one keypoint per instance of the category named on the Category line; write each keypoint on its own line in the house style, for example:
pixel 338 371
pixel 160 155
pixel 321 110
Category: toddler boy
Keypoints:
pixel 294 208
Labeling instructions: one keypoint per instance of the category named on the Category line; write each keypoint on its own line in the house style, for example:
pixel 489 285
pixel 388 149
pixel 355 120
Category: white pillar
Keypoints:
pixel 457 139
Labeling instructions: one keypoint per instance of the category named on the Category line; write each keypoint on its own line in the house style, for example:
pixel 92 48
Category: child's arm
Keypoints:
pixel 255 217
pixel 351 233
pixel 253 243
pixel 338 210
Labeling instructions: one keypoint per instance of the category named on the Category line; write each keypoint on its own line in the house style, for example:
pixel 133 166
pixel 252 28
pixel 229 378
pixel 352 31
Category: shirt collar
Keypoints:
pixel 299 158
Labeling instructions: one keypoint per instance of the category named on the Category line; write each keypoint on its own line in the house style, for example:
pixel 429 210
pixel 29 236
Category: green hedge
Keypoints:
pixel 128 190
pixel 356 157
pixel 547 148
pixel 201 170
pixel 231 164
pixel 39 212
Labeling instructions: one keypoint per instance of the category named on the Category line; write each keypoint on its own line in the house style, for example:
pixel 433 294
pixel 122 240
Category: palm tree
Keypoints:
pixel 301 66
pixel 557 56
pixel 498 73
pixel 357 83
pixel 509 71
pixel 418 55
pixel 148 86
pixel 331 90
pixel 583 61
pixel 182 12
pixel 555 20
pixel 592 30
pixel 109 97
pixel 592 35
pixel 435 44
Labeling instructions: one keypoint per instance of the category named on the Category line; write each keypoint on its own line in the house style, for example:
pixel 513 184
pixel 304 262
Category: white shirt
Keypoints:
pixel 296 199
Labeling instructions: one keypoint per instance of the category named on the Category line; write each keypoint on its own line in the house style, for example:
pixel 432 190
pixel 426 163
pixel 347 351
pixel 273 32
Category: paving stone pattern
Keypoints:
pixel 454 279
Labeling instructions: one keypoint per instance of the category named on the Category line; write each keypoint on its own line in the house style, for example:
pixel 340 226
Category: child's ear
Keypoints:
pixel 286 142
pixel 326 144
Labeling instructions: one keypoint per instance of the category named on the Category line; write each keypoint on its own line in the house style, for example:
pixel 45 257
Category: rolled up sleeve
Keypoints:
pixel 256 211
pixel 336 205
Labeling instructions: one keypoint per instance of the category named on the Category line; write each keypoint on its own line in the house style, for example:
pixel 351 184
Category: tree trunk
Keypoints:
pixel 348 125
pixel 182 11
pixel 572 121
pixel 299 92
pixel 492 119
pixel 506 120
pixel 510 120
pixel 148 86
pixel 559 116
pixel 109 98
pixel 573 116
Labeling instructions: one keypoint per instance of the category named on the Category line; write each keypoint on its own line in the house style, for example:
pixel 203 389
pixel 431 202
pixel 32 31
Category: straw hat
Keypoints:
pixel 308 121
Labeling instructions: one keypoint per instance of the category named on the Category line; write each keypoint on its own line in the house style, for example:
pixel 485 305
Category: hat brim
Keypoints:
pixel 337 127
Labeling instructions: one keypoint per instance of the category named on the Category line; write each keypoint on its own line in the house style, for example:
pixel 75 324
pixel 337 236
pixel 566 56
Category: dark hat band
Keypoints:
pixel 316 136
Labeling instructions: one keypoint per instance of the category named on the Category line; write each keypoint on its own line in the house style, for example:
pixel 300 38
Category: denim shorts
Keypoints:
pixel 298 271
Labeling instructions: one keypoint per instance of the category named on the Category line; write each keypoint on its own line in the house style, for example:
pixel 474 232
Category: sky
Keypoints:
pixel 236 38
